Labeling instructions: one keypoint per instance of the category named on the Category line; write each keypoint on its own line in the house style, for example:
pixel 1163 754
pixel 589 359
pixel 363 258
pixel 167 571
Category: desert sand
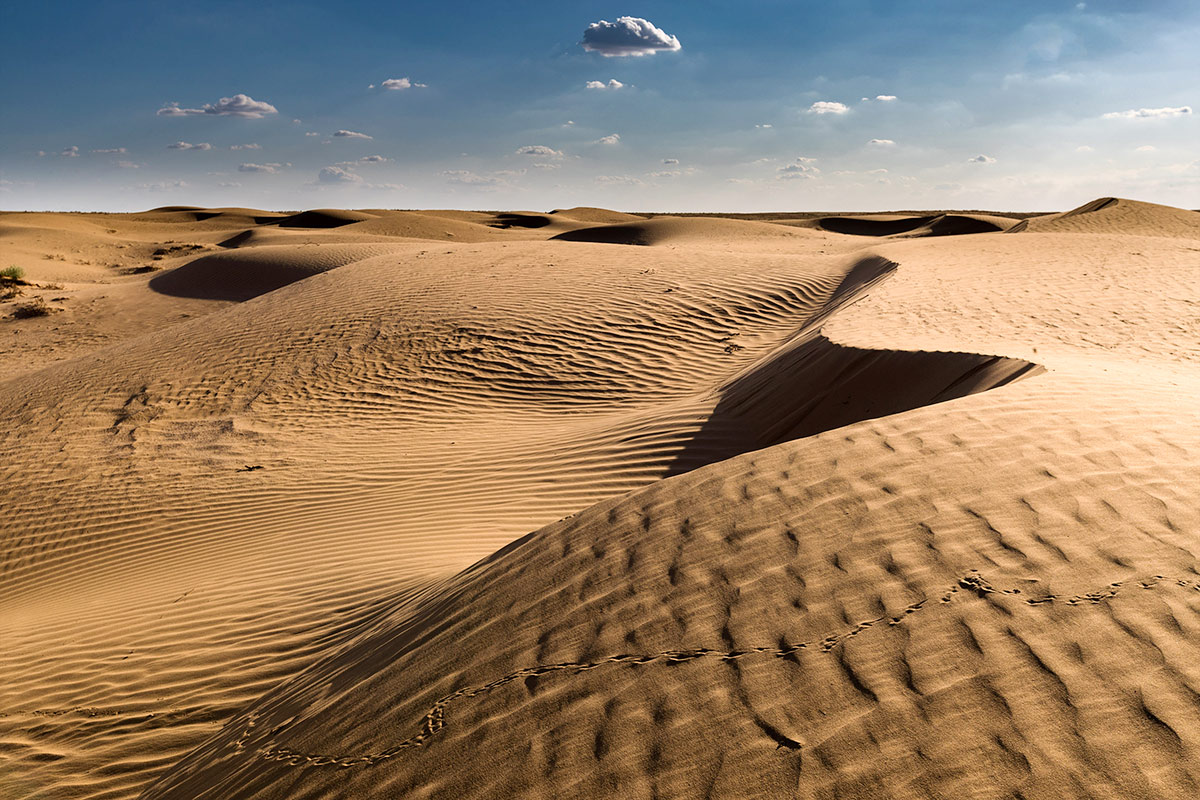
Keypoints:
pixel 442 504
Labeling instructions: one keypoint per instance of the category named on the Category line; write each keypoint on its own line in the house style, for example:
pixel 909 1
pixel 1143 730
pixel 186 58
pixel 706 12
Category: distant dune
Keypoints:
pixel 356 503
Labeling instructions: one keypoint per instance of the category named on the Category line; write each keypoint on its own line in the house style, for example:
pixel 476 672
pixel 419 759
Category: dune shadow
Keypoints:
pixel 811 385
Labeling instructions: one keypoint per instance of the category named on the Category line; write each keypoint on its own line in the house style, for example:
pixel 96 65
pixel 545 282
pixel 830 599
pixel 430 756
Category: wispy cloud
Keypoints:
pixel 618 180
pixel 828 107
pixel 881 143
pixel 1150 113
pixel 628 36
pixel 240 105
pixel 126 165
pixel 398 85
pixel 111 151
pixel 613 84
pixel 162 186
pixel 268 168
pixel 612 138
pixel 245 147
pixel 800 169
pixel 344 134
pixel 981 159
pixel 337 175
pixel 69 152
pixel 464 177
pixel 670 161
pixel 189 146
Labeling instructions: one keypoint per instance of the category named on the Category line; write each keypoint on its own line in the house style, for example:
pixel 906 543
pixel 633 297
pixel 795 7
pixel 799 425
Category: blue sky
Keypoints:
pixel 756 105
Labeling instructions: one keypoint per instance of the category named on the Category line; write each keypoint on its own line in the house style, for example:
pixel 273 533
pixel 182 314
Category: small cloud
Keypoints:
pixel 881 143
pixel 268 168
pixel 390 187
pixel 877 172
pixel 543 165
pixel 398 84
pixel 612 138
pixel 343 134
pixel 1150 113
pixel 162 186
pixel 618 180
pixel 828 107
pixel 613 84
pixel 372 160
pixel 628 36
pixel 798 170
pixel 1085 148
pixel 126 165
pixel 229 184
pixel 670 161
pixel 311 133
pixel 464 177
pixel 189 146
pixel 540 150
pixel 69 152
pixel 1081 6
pixel 666 173
pixel 240 105
pixel 885 98
pixel 765 125
pixel 112 151
pixel 1146 148
pixel 568 123
pixel 981 159
pixel 245 147
pixel 509 173
pixel 337 176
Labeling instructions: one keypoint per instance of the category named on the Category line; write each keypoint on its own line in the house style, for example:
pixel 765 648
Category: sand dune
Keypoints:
pixel 930 225
pixel 1116 215
pixel 814 514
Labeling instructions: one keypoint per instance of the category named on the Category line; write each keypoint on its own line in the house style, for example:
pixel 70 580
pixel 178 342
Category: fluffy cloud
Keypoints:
pixel 70 152
pixel 540 150
pixel 398 84
pixel 1084 148
pixel 669 161
pixel 337 175
pixel 373 160
pixel 828 107
pixel 885 98
pixel 628 36
pixel 1146 148
pixel 981 159
pixel 1150 113
pixel 612 138
pixel 189 146
pixel 240 105
pixel 801 169
pixel 351 135
pixel 114 151
pixel 312 133
pixel 464 177
pixel 268 168
pixel 881 143
pixel 245 147
pixel 613 84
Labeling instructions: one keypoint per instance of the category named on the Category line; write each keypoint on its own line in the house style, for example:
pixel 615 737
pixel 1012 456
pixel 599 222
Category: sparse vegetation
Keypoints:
pixel 34 308
pixel 13 273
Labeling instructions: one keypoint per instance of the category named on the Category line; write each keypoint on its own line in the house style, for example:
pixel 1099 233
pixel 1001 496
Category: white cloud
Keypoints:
pixel 1085 148
pixel 126 165
pixel 189 146
pixel 618 180
pixel 881 143
pixel 269 168
pixel 1146 148
pixel 245 147
pixel 111 151
pixel 798 170
pixel 464 177
pixel 343 134
pixel 877 172
pixel 311 133
pixel 373 160
pixel 398 84
pixel 1150 113
pixel 568 123
pixel 981 159
pixel 628 36
pixel 540 150
pixel 229 184
pixel 885 98
pixel 70 152
pixel 670 161
pixel 613 84
pixel 240 105
pixel 612 138
pixel 828 107
pixel 666 173
pixel 337 175
pixel 765 125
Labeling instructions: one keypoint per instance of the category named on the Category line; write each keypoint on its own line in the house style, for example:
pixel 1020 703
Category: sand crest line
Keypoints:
pixel 434 721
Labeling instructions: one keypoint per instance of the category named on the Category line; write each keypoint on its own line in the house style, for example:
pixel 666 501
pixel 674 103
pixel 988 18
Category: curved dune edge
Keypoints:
pixel 664 230
pixel 808 360
pixel 1117 215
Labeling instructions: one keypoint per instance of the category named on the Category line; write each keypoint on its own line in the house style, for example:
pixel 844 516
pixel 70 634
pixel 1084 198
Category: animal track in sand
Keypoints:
pixel 434 720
